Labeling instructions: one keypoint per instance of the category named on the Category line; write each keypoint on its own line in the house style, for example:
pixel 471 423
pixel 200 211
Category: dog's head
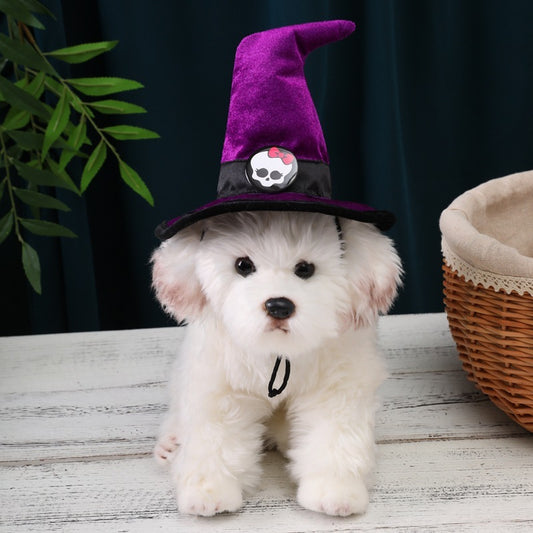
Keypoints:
pixel 278 282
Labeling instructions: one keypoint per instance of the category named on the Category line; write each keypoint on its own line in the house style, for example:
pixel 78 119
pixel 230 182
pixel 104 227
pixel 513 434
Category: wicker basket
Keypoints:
pixel 488 289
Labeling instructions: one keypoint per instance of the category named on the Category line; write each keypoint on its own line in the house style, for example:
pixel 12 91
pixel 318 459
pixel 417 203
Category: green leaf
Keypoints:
pixel 6 223
pixel 75 102
pixel 103 86
pixel 2 186
pixel 36 86
pixel 34 5
pixel 21 99
pixel 57 124
pixel 125 133
pixel 21 83
pixel 74 143
pixel 35 211
pixel 23 53
pixel 18 10
pixel 79 134
pixel 32 266
pixel 53 85
pixel 63 175
pixel 16 119
pixel 27 140
pixel 37 176
pixel 93 165
pixel 111 107
pixel 13 152
pixel 82 52
pixel 133 179
pixel 37 199
pixel 44 177
pixel 45 228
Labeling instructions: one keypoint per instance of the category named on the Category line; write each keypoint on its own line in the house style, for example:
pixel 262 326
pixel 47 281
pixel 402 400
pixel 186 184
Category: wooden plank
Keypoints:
pixel 99 422
pixel 105 393
pixel 438 405
pixel 119 358
pixel 483 485
pixel 78 413
pixel 102 422
pixel 427 395
pixel 417 343
pixel 78 361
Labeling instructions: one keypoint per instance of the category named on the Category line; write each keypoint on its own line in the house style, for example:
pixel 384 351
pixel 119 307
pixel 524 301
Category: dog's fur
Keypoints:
pixel 220 414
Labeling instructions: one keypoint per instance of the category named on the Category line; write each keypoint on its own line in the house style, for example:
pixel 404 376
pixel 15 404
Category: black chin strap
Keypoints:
pixel 340 234
pixel 271 390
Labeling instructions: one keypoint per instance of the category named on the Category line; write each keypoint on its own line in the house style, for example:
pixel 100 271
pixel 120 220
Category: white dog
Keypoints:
pixel 280 347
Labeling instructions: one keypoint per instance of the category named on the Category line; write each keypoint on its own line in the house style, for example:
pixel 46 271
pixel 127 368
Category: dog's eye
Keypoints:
pixel 244 266
pixel 304 269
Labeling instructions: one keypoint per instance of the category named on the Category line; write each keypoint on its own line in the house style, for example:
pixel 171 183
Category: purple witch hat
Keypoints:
pixel 274 156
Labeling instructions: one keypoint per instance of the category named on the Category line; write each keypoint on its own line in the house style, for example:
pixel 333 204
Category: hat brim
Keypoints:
pixel 283 201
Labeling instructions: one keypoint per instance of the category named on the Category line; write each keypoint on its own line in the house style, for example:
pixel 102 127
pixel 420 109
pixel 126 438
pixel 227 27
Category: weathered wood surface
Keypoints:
pixel 78 415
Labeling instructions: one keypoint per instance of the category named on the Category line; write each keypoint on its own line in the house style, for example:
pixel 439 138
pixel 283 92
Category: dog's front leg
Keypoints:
pixel 219 455
pixel 332 452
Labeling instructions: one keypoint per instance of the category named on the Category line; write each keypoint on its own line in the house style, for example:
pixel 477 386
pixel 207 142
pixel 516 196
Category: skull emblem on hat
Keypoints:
pixel 272 169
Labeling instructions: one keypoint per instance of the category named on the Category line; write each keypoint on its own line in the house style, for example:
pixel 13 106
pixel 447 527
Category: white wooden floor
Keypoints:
pixel 78 415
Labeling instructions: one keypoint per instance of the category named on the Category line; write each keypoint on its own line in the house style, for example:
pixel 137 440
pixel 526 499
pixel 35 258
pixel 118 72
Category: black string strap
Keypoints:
pixel 271 390
pixel 340 234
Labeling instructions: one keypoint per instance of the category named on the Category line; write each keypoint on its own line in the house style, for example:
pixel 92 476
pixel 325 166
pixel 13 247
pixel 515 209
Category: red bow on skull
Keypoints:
pixel 286 157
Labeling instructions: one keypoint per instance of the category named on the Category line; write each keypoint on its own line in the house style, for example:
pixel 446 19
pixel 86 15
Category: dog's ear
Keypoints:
pixel 174 275
pixel 374 271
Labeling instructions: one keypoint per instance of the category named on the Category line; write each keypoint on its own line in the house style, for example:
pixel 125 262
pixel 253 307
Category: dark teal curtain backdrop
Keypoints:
pixel 426 100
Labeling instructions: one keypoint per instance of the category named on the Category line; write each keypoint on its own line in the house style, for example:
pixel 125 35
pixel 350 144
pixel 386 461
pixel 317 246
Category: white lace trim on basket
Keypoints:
pixel 486 279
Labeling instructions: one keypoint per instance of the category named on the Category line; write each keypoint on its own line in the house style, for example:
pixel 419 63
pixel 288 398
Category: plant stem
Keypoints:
pixel 10 189
pixel 28 34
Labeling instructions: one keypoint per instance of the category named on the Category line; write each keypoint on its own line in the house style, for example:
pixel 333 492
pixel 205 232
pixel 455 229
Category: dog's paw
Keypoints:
pixel 206 497
pixel 165 449
pixel 337 497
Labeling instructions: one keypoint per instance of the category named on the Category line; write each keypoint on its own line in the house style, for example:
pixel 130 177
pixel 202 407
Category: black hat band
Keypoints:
pixel 313 179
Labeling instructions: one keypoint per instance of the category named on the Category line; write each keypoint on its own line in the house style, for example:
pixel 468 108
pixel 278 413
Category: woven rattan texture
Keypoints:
pixel 493 331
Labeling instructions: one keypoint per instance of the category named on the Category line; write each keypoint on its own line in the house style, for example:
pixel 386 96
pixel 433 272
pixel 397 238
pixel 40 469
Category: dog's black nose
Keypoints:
pixel 279 307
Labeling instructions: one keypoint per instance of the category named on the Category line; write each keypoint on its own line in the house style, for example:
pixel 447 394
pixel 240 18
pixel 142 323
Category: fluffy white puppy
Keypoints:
pixel 280 347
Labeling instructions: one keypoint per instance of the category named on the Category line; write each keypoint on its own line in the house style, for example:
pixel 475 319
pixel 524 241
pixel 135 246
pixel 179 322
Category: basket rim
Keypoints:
pixel 488 280
pixel 468 222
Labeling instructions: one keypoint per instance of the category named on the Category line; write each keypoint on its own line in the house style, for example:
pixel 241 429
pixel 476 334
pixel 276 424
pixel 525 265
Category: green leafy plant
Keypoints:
pixel 48 121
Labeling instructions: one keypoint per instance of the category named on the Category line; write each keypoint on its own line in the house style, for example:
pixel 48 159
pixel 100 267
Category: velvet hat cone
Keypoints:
pixel 274 156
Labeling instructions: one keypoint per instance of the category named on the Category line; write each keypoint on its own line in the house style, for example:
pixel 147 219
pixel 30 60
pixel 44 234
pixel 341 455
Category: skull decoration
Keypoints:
pixel 272 169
